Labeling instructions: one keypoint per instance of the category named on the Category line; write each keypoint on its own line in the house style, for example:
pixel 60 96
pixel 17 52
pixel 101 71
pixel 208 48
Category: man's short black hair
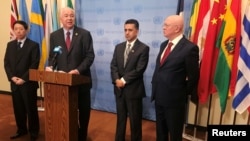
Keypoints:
pixel 133 21
pixel 23 23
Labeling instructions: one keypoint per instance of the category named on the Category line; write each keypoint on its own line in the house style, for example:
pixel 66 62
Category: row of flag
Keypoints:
pixel 215 26
pixel 42 20
pixel 224 42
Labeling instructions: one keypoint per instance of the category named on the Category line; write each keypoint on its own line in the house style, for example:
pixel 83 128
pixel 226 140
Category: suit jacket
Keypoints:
pixel 17 62
pixel 81 54
pixel 133 71
pixel 178 76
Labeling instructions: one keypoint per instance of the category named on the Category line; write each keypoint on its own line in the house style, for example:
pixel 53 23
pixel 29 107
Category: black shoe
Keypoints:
pixel 17 135
pixel 33 138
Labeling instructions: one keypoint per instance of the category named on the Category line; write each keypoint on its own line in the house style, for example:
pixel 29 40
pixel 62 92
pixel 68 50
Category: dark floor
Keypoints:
pixel 98 129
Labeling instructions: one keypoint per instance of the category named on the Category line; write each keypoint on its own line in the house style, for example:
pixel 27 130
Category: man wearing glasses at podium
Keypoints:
pixel 76 56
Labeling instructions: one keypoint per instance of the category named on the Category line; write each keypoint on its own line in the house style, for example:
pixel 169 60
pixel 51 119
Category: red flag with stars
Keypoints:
pixel 210 53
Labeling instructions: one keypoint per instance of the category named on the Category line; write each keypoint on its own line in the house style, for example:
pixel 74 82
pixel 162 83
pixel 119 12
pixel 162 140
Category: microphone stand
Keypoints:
pixel 54 67
pixel 41 108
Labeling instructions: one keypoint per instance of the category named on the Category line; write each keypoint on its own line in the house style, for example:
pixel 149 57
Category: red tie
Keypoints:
pixel 68 40
pixel 166 53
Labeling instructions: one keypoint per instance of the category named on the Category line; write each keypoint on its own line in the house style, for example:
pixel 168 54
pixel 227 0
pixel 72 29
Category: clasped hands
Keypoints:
pixel 17 80
pixel 119 83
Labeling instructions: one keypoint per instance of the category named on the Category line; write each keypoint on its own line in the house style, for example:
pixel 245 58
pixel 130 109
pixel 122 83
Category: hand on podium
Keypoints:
pixel 61 71
pixel 75 71
pixel 49 68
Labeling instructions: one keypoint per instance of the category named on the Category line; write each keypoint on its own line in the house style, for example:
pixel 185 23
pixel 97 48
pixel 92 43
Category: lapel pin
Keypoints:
pixel 76 34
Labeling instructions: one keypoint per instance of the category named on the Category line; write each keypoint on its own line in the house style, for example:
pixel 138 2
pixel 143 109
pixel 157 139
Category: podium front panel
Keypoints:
pixel 61 116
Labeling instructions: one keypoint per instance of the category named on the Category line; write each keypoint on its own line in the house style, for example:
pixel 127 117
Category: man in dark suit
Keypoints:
pixel 175 76
pixel 76 58
pixel 21 55
pixel 129 62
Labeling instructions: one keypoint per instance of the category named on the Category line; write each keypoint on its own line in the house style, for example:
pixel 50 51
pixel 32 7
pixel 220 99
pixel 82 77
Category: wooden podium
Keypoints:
pixel 61 103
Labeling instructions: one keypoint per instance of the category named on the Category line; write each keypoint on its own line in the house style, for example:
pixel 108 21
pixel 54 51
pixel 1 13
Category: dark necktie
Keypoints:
pixel 68 40
pixel 127 50
pixel 19 45
pixel 166 53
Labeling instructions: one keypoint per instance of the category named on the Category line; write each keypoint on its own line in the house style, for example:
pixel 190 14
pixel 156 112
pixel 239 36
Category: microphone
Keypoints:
pixel 57 51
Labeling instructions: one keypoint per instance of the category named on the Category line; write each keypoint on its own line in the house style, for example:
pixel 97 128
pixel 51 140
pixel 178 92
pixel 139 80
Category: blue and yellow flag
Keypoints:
pixel 37 30
pixel 23 12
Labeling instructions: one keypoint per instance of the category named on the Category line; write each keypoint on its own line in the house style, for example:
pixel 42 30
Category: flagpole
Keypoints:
pixel 184 135
pixel 41 108
pixel 248 119
pixel 235 115
pixel 221 115
pixel 195 119
pixel 209 111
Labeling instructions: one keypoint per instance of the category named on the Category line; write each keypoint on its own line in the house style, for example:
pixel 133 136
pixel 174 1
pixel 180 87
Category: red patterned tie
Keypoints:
pixel 166 53
pixel 68 40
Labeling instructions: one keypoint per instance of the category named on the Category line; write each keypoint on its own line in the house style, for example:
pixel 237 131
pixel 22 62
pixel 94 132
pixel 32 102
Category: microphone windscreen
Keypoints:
pixel 58 49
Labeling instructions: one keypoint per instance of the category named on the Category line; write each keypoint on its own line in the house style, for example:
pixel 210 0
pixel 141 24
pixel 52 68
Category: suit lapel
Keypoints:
pixel 21 51
pixel 175 50
pixel 177 47
pixel 61 38
pixel 74 37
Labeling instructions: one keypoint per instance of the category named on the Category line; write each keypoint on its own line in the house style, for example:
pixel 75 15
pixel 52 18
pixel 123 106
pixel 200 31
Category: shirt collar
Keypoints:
pixel 176 40
pixel 22 41
pixel 65 31
pixel 131 43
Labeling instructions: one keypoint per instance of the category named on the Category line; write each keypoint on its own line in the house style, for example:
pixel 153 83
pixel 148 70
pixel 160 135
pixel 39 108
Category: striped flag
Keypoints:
pixel 42 10
pixel 193 19
pixel 23 12
pixel 55 19
pixel 227 43
pixel 37 30
pixel 241 99
pixel 197 33
pixel 36 22
pixel 180 7
pixel 198 28
pixel 210 52
pixel 48 26
pixel 13 18
pixel 234 68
